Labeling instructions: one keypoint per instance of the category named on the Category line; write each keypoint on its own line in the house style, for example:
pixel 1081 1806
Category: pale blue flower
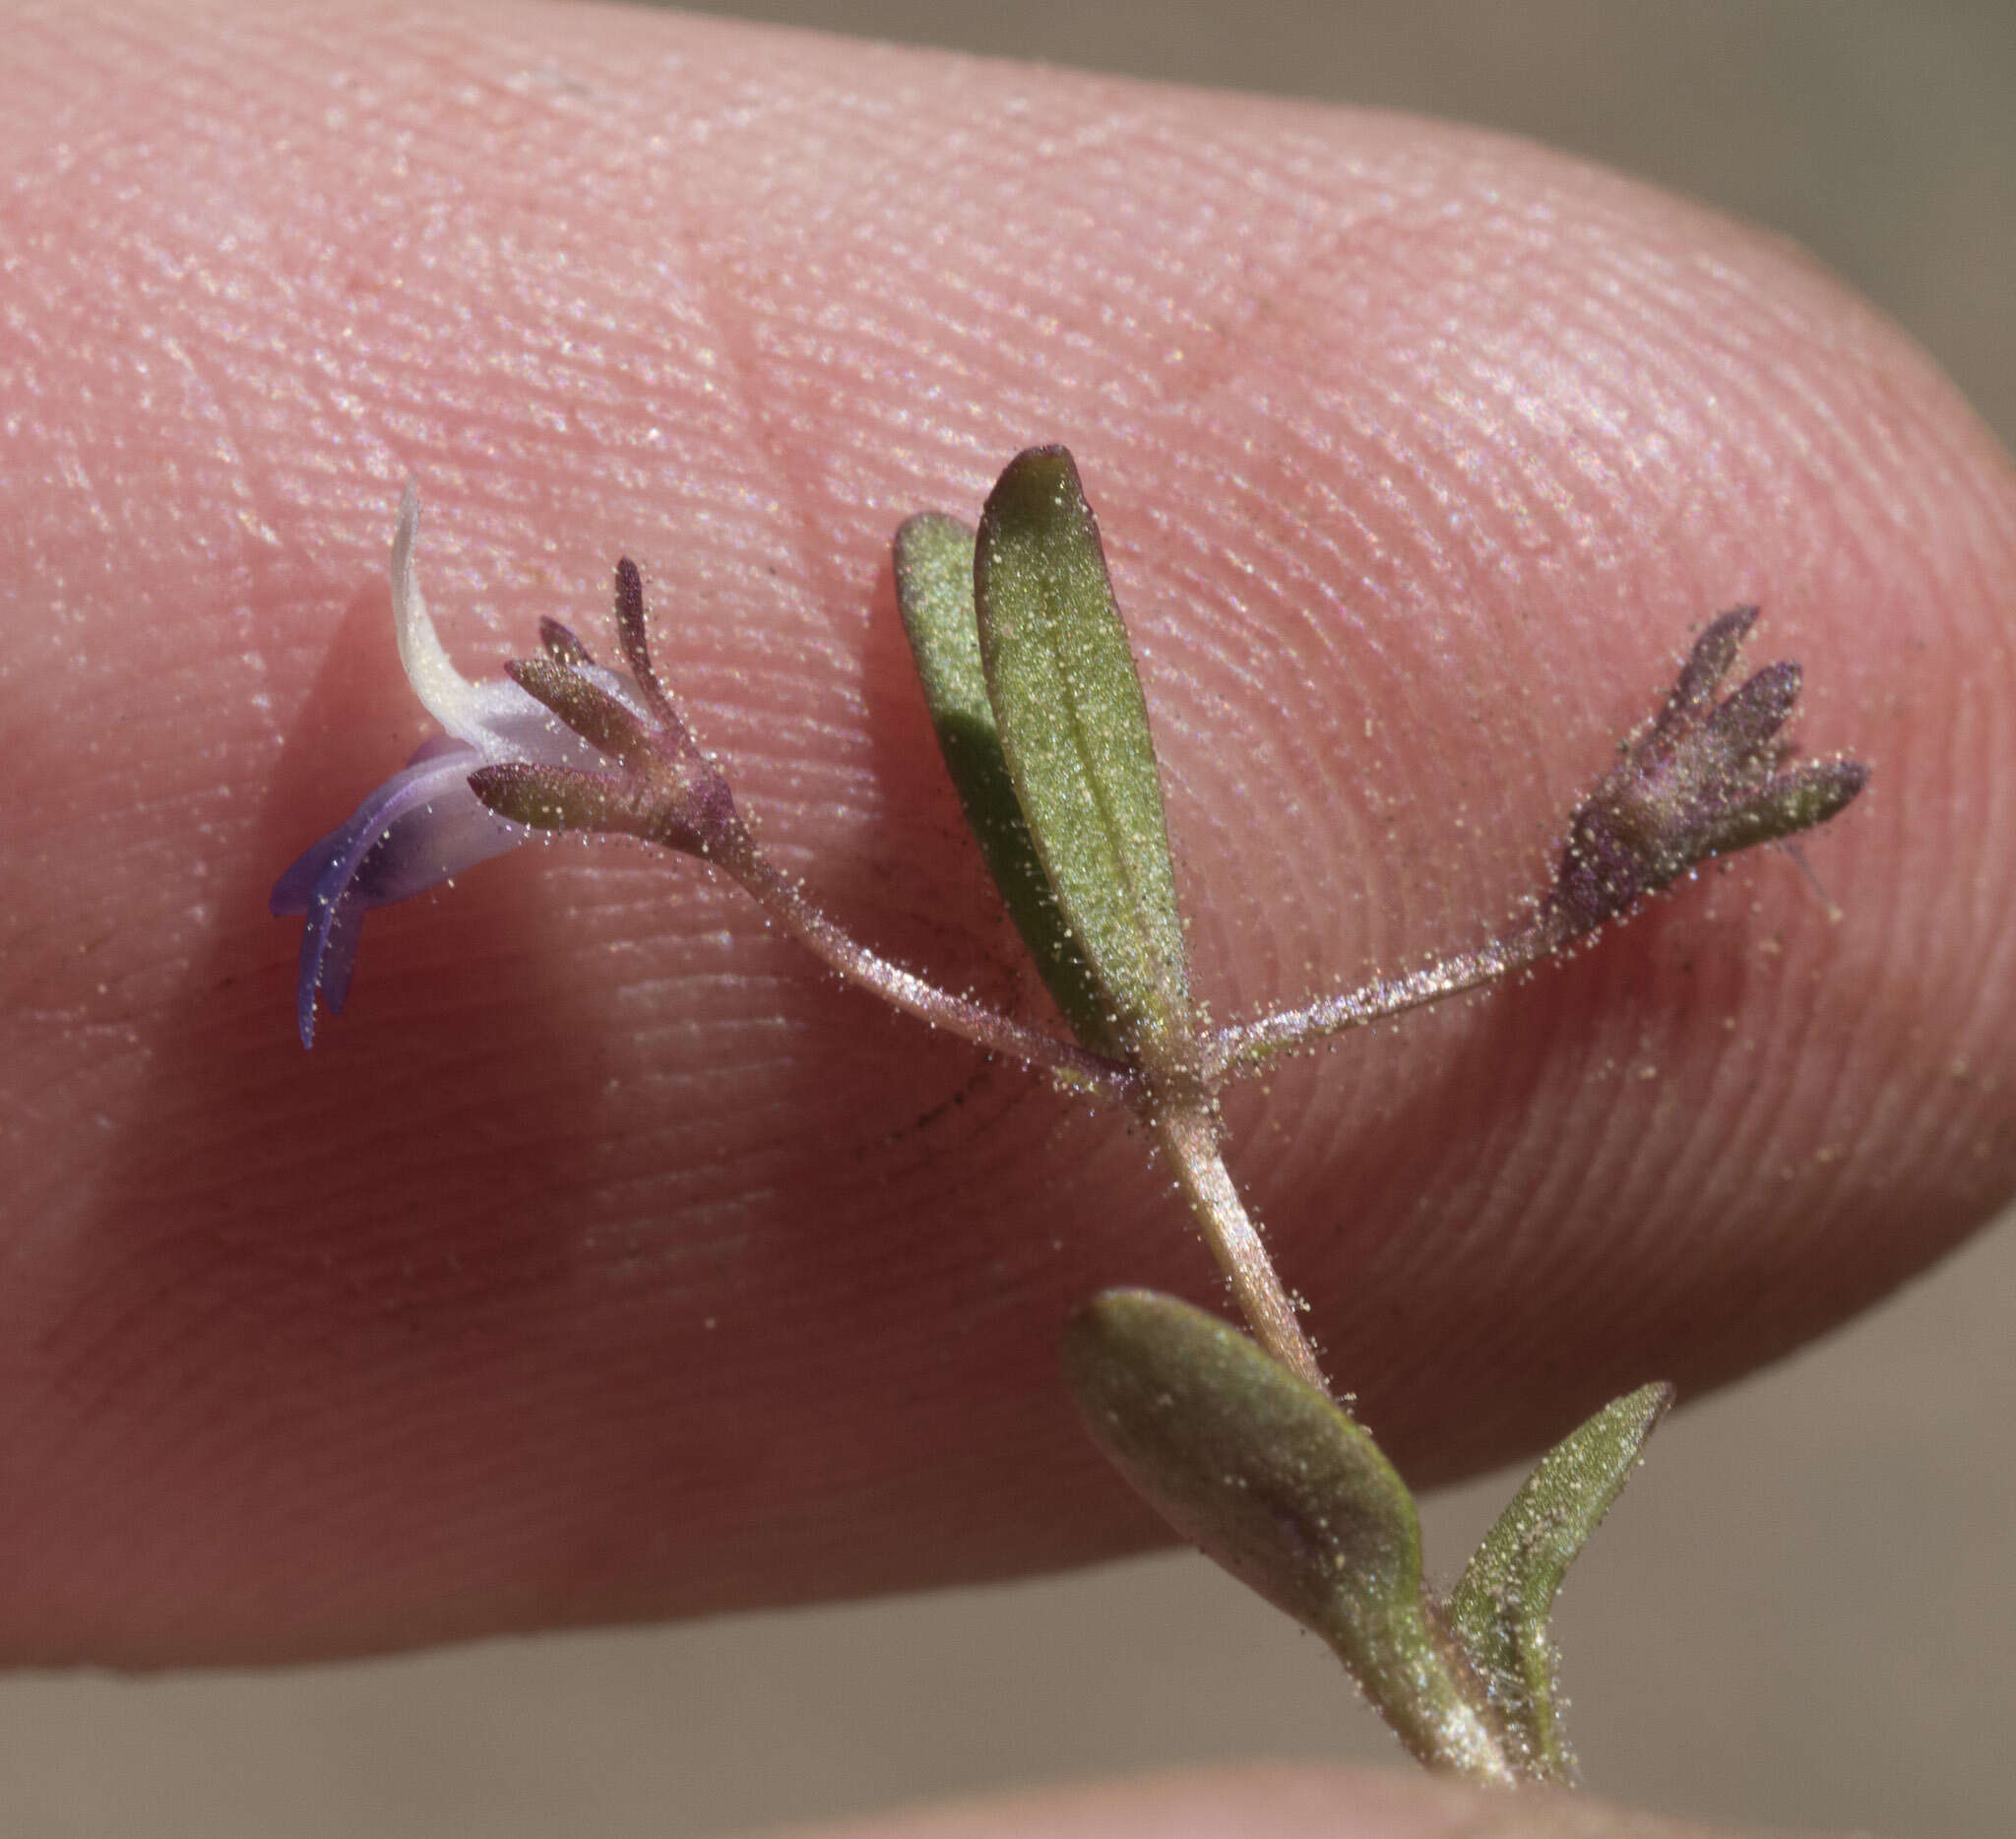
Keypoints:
pixel 424 824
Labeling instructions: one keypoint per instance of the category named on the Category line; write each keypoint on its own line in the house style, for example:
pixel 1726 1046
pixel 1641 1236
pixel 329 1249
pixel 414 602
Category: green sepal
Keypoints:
pixel 584 705
pixel 1073 723
pixel 934 562
pixel 1499 1609
pixel 553 797
pixel 1276 1483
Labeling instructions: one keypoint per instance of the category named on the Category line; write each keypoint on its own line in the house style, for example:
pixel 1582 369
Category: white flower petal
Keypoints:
pixel 470 712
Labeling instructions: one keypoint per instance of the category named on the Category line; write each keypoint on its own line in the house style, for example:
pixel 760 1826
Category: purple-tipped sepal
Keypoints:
pixel 1705 779
pixel 655 784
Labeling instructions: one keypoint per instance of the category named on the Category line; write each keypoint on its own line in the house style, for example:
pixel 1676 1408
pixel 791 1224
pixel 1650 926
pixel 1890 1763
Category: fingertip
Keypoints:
pixel 1417 454
pixel 1269 1802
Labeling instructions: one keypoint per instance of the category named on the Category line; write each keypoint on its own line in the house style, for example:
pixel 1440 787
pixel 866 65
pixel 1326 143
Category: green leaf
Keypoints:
pixel 1074 731
pixel 934 562
pixel 1275 1482
pixel 1500 1608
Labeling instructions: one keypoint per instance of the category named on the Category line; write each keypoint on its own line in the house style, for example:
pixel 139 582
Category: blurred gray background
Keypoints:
pixel 1804 1614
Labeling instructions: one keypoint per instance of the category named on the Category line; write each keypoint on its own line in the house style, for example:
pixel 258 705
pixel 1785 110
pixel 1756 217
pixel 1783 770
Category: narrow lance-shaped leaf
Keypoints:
pixel 1275 1482
pixel 934 565
pixel 1501 1606
pixel 1074 730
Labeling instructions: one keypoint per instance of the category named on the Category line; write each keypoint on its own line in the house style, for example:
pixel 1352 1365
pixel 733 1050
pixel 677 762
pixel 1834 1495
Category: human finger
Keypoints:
pixel 605 1259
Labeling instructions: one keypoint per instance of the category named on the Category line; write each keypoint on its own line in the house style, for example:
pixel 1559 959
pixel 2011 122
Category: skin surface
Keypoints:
pixel 1281 1803
pixel 605 1259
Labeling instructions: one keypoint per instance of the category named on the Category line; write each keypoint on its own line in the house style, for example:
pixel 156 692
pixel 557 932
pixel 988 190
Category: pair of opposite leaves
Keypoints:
pixel 1032 689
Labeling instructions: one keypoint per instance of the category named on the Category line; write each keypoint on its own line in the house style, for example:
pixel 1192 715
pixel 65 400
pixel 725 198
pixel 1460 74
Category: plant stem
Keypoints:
pixel 1442 1717
pixel 1189 1138
pixel 1243 1047
pixel 1065 1063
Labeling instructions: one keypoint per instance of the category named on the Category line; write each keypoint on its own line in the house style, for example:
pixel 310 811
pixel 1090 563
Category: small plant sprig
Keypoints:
pixel 1031 687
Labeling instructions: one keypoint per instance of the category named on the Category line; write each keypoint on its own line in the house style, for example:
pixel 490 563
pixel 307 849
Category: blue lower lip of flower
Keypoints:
pixel 417 829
